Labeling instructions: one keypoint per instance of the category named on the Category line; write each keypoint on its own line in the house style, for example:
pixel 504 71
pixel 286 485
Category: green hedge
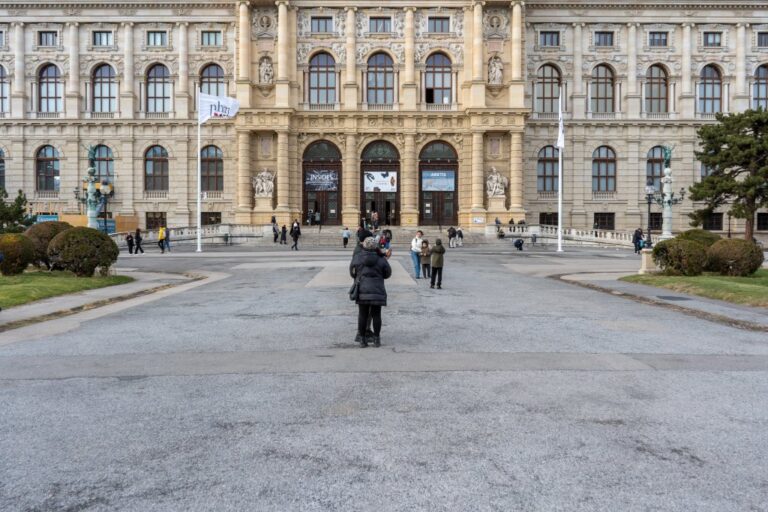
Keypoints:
pixel 18 252
pixel 41 235
pixel 702 236
pixel 680 257
pixel 82 250
pixel 735 257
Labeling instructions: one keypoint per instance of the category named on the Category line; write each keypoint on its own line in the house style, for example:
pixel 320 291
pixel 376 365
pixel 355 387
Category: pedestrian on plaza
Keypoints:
pixel 438 255
pixel 498 224
pixel 426 252
pixel 416 253
pixel 369 269
pixel 284 235
pixel 459 237
pixel 637 238
pixel 167 239
pixel 386 242
pixel 345 234
pixel 451 237
pixel 375 220
pixel 511 224
pixel 519 244
pixel 317 221
pixel 533 238
pixel 295 234
pixel 275 232
pixel 129 241
pixel 521 222
pixel 161 239
pixel 137 240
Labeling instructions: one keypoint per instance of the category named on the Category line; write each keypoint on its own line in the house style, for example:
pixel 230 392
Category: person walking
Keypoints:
pixel 137 240
pixel 459 237
pixel 129 241
pixel 637 237
pixel 438 252
pixel 345 234
pixel 275 232
pixel 426 272
pixel 369 269
pixel 416 253
pixel 451 237
pixel 167 239
pixel 284 235
pixel 295 234
pixel 161 239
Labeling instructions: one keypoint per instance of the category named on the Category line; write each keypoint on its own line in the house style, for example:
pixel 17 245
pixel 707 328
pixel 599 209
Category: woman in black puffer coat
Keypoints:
pixel 372 268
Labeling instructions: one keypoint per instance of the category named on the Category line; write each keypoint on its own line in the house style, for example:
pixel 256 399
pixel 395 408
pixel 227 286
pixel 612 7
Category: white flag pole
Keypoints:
pixel 561 147
pixel 199 184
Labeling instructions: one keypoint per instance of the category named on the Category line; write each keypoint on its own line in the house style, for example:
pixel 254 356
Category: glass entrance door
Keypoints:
pixel 438 200
pixel 321 208
pixel 381 207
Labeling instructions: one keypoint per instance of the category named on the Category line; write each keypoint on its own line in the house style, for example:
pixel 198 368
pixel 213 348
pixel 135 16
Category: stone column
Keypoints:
pixel 18 96
pixel 478 82
pixel 282 84
pixel 633 98
pixel 577 105
pixel 517 87
pixel 409 211
pixel 72 100
pixel 244 187
pixel 410 91
pixel 350 82
pixel 182 93
pixel 687 96
pixel 283 173
pixel 127 96
pixel 243 81
pixel 516 173
pixel 478 175
pixel 350 215
pixel 741 95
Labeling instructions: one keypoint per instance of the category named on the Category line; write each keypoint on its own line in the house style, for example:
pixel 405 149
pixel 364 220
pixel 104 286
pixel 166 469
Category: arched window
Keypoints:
pixel 547 169
pixel 322 79
pixel 438 151
pixel 2 169
pixel 104 89
pixel 212 80
pixel 47 169
pixel 547 89
pixel 322 151
pixel 603 170
pixel 380 151
pixel 656 90
pixel 602 89
pixel 103 163
pixel 3 90
pixel 212 169
pixel 437 80
pixel 381 80
pixel 158 89
pixel 156 169
pixel 654 166
pixel 760 95
pixel 50 89
pixel 710 91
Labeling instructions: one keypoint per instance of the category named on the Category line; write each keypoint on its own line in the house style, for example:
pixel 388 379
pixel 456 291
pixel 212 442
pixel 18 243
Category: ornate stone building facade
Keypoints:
pixel 416 113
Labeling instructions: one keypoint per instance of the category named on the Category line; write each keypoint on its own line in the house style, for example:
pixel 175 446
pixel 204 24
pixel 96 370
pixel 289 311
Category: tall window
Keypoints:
pixel 710 90
pixel 654 166
pixel 47 169
pixel 381 79
pixel 547 88
pixel 439 24
pixel 158 89
pixel 547 170
pixel 212 80
pixel 322 79
pixel 603 170
pixel 212 169
pixel 50 89
pixel 103 163
pixel 437 79
pixel 3 90
pixel 656 90
pixel 156 169
pixel 602 89
pixel 759 96
pixel 2 169
pixel 104 89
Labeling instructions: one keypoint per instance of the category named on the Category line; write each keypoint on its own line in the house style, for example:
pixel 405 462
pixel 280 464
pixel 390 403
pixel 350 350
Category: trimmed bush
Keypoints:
pixel 41 235
pixel 82 250
pixel 735 257
pixel 680 257
pixel 702 236
pixel 18 252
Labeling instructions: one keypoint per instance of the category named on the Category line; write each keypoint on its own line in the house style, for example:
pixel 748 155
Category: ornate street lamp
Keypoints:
pixel 650 197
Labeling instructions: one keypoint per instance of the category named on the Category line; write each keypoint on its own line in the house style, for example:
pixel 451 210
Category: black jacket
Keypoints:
pixel 373 268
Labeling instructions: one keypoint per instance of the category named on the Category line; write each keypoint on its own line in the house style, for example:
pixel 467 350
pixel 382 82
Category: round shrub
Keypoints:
pixel 82 250
pixel 735 257
pixel 41 235
pixel 702 236
pixel 680 257
pixel 18 252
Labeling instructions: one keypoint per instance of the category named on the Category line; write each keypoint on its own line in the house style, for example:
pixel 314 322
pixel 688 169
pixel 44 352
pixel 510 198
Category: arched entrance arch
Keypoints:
pixel 380 183
pixel 438 178
pixel 321 183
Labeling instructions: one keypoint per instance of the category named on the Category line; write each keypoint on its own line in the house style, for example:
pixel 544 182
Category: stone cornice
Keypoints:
pixel 102 4
pixel 680 5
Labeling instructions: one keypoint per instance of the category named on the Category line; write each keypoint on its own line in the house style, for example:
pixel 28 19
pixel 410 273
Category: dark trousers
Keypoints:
pixel 363 312
pixel 426 270
pixel 138 248
pixel 130 248
pixel 161 245
pixel 295 244
pixel 346 241
pixel 437 273
pixel 276 234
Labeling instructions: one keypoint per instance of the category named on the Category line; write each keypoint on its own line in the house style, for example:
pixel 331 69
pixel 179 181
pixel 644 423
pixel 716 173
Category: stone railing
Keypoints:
pixel 216 233
pixel 548 234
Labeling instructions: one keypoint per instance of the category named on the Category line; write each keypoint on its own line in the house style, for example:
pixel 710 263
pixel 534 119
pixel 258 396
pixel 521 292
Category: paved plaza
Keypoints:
pixel 510 389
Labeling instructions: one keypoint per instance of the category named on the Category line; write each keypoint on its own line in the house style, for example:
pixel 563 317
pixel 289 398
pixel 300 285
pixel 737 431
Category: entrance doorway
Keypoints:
pixel 322 184
pixel 380 194
pixel 438 178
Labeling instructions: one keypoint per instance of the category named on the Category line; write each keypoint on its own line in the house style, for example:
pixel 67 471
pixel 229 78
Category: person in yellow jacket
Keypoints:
pixel 161 239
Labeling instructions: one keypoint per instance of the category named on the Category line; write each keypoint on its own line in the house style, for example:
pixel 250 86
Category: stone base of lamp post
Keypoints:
pixel 647 266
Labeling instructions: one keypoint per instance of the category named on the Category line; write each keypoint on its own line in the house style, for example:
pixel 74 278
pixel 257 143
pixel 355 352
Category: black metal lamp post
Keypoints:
pixel 650 196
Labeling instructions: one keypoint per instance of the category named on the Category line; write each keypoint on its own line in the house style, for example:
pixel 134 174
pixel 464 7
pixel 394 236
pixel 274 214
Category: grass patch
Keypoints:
pixel 749 291
pixel 32 286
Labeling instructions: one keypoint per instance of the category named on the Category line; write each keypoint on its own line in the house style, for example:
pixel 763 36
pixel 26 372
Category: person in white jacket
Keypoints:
pixel 416 253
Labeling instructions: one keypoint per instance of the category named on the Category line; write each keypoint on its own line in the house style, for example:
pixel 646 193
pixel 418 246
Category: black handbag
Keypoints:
pixel 354 291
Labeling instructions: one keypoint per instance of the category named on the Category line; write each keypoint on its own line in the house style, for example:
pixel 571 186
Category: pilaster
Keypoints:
pixel 409 181
pixel 410 89
pixel 350 83
pixel 478 53
pixel 517 85
pixel 516 174
pixel 350 183
pixel 18 95
pixel 283 174
pixel 282 84
pixel 127 95
pixel 633 97
pixel 182 97
pixel 244 55
pixel 577 105
pixel 244 188
pixel 687 97
pixel 741 95
pixel 478 174
pixel 72 99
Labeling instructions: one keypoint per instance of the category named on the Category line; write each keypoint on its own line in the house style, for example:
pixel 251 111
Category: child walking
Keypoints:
pixel 426 270
pixel 438 252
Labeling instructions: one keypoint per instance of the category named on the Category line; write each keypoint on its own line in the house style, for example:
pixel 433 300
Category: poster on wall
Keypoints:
pixel 380 181
pixel 438 181
pixel 319 180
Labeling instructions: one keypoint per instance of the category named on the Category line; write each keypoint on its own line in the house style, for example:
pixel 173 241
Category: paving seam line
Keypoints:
pixel 704 315
pixel 96 304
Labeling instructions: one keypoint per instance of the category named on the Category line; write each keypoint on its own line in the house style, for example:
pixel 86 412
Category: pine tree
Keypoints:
pixel 736 153
pixel 13 214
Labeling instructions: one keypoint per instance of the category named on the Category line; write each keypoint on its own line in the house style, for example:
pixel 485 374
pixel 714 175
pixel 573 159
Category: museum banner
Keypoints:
pixel 438 181
pixel 321 180
pixel 380 181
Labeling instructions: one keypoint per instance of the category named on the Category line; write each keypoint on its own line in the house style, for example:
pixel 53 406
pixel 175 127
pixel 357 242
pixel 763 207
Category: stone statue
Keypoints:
pixel 266 73
pixel 495 71
pixel 496 184
pixel 263 184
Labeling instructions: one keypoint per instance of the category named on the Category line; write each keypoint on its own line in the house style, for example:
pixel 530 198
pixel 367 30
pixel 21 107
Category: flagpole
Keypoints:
pixel 560 149
pixel 199 184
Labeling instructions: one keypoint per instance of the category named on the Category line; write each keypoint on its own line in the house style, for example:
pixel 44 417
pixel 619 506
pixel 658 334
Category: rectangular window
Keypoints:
pixel 2 37
pixel 155 220
pixel 47 38
pixel 157 38
pixel 439 24
pixel 713 222
pixel 210 38
pixel 103 38
pixel 713 39
pixel 210 218
pixel 656 221
pixel 605 221
pixel 380 25
pixel 762 39
pixel 549 39
pixel 321 24
pixel 603 38
pixel 657 39
pixel 705 170
pixel 762 221
pixel 548 219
